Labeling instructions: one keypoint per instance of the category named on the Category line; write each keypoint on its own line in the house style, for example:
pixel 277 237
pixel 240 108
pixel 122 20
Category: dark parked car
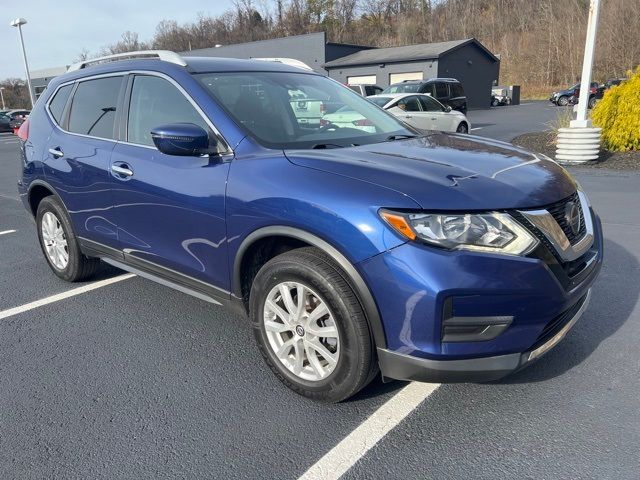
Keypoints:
pixel 4 123
pixel 447 91
pixel 16 117
pixel 612 82
pixel 366 90
pixel 351 251
pixel 564 97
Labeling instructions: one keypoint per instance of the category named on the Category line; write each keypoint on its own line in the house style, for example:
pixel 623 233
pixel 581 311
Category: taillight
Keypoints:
pixel 363 122
pixel 594 90
pixel 323 122
pixel 323 108
pixel 23 131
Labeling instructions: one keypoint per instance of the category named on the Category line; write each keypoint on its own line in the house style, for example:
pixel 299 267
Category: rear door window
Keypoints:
pixel 410 104
pixel 93 109
pixel 58 102
pixel 456 90
pixel 442 91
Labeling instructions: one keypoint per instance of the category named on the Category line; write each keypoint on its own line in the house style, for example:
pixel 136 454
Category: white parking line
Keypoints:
pixel 355 445
pixel 61 296
pixel 7 231
pixel 477 128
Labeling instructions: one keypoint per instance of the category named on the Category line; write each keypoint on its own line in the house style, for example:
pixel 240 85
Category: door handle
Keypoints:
pixel 56 152
pixel 434 118
pixel 122 170
pixel 408 116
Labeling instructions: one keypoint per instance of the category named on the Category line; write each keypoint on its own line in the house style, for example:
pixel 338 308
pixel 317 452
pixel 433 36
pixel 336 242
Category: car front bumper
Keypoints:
pixel 406 367
pixel 419 291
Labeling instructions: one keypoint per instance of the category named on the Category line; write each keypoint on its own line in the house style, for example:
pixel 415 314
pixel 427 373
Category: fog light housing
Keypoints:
pixel 471 328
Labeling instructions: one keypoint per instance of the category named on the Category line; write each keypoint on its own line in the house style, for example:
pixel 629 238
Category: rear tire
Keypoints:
pixel 592 102
pixel 59 244
pixel 328 368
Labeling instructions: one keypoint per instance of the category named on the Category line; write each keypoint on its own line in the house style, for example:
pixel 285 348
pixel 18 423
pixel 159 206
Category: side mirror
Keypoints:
pixel 447 109
pixel 185 139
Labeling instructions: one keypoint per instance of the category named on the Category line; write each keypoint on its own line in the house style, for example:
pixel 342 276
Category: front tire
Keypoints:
pixel 310 326
pixel 462 128
pixel 563 101
pixel 59 243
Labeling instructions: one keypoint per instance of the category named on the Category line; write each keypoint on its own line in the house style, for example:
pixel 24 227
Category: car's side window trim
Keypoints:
pixel 127 101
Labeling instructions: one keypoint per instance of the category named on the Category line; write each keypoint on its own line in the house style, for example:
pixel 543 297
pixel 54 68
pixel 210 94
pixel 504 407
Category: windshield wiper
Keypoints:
pixel 391 138
pixel 320 146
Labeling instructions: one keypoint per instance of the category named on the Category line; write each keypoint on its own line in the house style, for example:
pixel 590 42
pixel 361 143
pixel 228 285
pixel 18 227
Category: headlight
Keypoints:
pixel 484 232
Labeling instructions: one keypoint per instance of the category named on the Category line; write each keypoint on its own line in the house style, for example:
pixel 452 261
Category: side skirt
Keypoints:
pixel 162 275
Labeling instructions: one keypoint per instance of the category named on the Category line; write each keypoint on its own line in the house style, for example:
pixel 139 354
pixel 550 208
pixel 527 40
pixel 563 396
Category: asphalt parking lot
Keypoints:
pixel 133 380
pixel 505 123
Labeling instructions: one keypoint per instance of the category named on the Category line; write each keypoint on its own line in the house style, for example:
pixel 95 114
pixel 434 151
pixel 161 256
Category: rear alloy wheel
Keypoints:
pixel 592 102
pixel 310 326
pixel 462 128
pixel 59 244
pixel 563 101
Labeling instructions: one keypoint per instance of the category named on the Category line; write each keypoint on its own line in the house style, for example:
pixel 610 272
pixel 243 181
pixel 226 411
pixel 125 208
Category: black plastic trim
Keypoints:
pixel 362 291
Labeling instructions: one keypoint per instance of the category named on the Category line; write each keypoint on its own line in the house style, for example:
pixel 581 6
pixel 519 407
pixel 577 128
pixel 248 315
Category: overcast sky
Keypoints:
pixel 58 30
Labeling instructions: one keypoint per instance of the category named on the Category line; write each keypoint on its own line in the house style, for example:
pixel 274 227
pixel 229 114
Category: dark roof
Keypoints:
pixel 422 51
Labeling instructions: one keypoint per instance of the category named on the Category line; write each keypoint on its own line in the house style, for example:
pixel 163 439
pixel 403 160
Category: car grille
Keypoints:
pixel 558 211
pixel 555 325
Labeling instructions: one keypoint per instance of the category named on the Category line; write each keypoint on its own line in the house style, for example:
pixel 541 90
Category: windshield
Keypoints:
pixel 380 101
pixel 402 88
pixel 287 110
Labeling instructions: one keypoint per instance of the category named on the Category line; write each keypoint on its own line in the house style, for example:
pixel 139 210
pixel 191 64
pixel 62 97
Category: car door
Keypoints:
pixel 440 119
pixel 78 151
pixel 170 210
pixel 409 110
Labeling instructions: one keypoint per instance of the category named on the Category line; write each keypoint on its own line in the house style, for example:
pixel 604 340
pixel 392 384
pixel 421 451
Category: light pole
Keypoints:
pixel 18 22
pixel 580 143
pixel 2 97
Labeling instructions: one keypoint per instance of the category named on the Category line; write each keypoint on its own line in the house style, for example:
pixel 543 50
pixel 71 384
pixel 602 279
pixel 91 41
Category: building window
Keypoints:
pixel 401 77
pixel 362 80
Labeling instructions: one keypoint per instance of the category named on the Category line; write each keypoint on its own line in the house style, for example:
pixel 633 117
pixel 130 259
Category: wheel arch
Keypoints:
pixel 38 190
pixel 305 238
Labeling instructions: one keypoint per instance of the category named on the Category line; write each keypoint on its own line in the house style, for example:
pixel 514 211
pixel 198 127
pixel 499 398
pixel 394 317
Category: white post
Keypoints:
pixel 26 67
pixel 2 96
pixel 580 143
pixel 581 120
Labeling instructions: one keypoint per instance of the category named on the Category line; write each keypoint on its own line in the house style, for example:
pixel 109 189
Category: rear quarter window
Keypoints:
pixel 58 102
pixel 456 90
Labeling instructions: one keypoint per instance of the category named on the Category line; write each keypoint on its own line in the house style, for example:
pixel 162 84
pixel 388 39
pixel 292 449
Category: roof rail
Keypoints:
pixel 292 62
pixel 164 55
pixel 443 79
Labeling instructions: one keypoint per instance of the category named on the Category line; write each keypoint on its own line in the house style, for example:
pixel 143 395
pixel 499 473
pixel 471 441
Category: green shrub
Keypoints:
pixel 618 113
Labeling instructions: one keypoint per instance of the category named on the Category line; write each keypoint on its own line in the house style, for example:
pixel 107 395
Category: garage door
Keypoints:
pixel 401 77
pixel 362 80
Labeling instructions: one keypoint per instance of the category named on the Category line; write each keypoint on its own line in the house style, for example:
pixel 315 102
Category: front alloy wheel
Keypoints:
pixel 310 326
pixel 302 332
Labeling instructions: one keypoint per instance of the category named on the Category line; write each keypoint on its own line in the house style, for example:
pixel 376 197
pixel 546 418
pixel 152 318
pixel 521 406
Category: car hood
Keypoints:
pixel 448 172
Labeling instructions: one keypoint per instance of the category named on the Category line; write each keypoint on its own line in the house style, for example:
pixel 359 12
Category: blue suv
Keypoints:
pixel 353 249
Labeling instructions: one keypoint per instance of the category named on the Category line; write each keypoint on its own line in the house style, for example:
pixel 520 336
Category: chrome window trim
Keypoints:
pixel 225 143
pixel 545 222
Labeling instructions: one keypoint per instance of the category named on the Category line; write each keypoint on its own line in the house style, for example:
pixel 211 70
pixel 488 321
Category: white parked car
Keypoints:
pixel 423 111
pixel 346 117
